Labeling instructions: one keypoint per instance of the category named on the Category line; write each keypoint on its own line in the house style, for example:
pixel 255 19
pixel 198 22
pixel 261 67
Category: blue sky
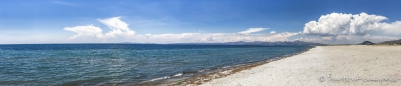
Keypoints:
pixel 172 21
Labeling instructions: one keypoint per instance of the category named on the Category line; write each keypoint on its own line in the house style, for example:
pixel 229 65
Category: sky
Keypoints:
pixel 198 21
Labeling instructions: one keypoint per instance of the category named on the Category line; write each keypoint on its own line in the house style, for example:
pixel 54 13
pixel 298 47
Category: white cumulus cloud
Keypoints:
pixel 342 27
pixel 272 32
pixel 343 24
pixel 88 31
pixel 252 30
pixel 118 29
pixel 391 28
pixel 117 26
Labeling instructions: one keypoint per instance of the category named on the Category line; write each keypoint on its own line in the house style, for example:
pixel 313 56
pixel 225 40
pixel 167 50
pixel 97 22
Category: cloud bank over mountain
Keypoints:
pixel 329 28
pixel 120 32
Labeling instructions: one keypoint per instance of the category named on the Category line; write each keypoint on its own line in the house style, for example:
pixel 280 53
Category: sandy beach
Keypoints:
pixel 324 65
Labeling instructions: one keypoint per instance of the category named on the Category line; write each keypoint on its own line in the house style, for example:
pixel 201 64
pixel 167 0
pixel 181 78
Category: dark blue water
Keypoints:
pixel 96 64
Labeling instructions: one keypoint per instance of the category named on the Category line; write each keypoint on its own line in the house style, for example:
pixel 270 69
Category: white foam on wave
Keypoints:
pixel 166 77
pixel 203 70
pixel 227 67
pixel 179 74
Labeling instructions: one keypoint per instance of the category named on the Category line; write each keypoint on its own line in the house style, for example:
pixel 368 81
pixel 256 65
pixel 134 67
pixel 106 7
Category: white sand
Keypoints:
pixel 359 63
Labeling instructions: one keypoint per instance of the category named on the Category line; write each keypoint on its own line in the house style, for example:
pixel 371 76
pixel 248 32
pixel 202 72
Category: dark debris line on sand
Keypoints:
pixel 198 80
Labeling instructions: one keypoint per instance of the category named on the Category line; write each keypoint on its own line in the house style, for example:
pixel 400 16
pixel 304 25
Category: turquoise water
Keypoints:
pixel 96 64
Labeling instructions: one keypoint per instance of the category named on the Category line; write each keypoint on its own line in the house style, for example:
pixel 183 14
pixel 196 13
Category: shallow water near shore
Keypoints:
pixel 97 64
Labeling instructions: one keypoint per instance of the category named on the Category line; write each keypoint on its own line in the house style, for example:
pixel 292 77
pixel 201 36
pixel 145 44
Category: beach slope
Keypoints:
pixel 325 65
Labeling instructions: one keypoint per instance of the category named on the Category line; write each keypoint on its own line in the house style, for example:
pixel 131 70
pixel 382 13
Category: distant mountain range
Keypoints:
pixel 366 43
pixel 278 43
pixel 393 42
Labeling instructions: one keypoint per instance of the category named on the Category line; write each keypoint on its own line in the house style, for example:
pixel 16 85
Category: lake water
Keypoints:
pixel 96 64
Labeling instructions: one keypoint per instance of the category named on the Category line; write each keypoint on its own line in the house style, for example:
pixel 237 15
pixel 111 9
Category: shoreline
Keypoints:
pixel 215 74
pixel 322 65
